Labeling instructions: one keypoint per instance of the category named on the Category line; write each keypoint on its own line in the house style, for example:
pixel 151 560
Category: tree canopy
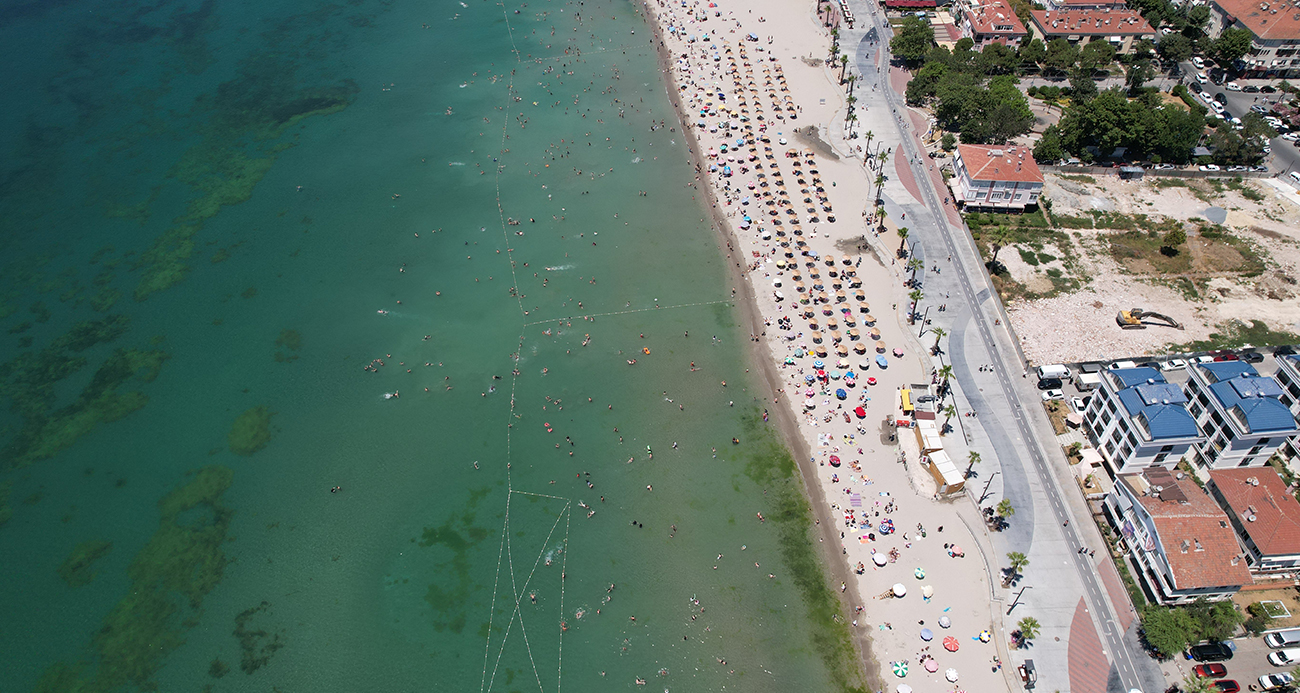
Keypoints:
pixel 912 40
pixel 973 93
pixel 1143 125
pixel 1231 45
pixel 1170 630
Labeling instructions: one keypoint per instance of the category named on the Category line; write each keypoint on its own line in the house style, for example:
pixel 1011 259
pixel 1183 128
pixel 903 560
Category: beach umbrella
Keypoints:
pixel 835 375
pixel 860 348
pixel 864 307
pixel 835 460
pixel 945 622
pixel 841 394
pixel 900 668
pixel 789 361
pixel 879 558
pixel 927 591
pixel 880 360
pixel 931 665
pixel 904 688
pixel 926 634
pixel 898 353
pixel 951 675
pixel 808 379
pixel 841 350
pixel 871 381
pixel 985 636
pixel 849 374
pixel 862 414
pixel 821 350
pixel 899 589
pixel 919 573
pixel 810 392
pixel 950 644
pixel 819 364
pixel 880 346
pixel 864 364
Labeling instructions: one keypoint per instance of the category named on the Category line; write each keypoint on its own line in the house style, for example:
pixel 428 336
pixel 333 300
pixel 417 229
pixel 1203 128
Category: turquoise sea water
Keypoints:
pixel 219 217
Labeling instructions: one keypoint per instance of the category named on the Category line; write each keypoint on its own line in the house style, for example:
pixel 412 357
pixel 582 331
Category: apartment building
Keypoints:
pixel 989 21
pixel 1137 419
pixel 1121 27
pixel 1264 516
pixel 1003 178
pixel 1275 34
pixel 1240 414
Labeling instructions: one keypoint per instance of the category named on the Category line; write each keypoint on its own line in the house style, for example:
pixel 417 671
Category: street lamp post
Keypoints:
pixel 985 493
pixel 1016 602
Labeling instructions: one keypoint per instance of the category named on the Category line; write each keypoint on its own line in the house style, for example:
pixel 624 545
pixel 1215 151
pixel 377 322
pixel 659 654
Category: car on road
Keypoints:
pixel 1225 686
pixel 1221 98
pixel 1284 351
pixel 1049 384
pixel 1208 167
pixel 1173 365
pixel 1270 682
pixel 1251 357
pixel 1250 89
pixel 1049 395
pixel 1267 89
pixel 1211 652
pixel 1210 671
pixel 1079 403
pixel 1232 86
pixel 1200 64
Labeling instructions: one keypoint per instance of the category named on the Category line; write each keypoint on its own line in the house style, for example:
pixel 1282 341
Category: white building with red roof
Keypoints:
pixel 989 21
pixel 1275 34
pixel 1178 538
pixel 1080 27
pixel 1265 517
pixel 1001 177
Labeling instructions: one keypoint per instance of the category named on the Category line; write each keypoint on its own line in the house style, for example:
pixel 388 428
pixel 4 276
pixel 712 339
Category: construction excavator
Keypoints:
pixel 1137 319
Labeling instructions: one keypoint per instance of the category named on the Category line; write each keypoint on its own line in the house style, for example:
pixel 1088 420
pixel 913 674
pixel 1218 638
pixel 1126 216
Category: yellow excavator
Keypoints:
pixel 1136 319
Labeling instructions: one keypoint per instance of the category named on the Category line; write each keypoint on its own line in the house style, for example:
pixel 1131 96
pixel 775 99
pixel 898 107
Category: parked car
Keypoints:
pixel 1251 357
pixel 1200 64
pixel 1283 638
pixel 1211 652
pixel 1049 384
pixel 1208 167
pixel 1173 365
pixel 1079 403
pixel 1267 89
pixel 1284 351
pixel 1250 89
pixel 1272 681
pixel 1049 395
pixel 1227 357
pixel 1226 686
pixel 1232 86
pixel 1284 657
pixel 1194 86
pixel 1221 98
pixel 1210 671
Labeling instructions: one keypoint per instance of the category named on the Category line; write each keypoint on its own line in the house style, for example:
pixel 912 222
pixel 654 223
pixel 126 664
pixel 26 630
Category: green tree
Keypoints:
pixel 1214 620
pixel 939 333
pixel 1028 628
pixel 974 459
pixel 1175 48
pixel 1139 73
pixel 1231 45
pixel 1000 238
pixel 1196 684
pixel 949 412
pixel 1005 509
pixel 923 84
pixel 902 239
pixel 1171 241
pixel 1096 55
pixel 1018 561
pixel 912 40
pixel 1032 53
pixel 1049 147
pixel 1167 631
pixel 997 59
pixel 1081 85
pixel 949 142
pixel 1061 56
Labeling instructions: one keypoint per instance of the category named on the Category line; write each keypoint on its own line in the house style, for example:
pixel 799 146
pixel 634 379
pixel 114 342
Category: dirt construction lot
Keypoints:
pixel 1221 257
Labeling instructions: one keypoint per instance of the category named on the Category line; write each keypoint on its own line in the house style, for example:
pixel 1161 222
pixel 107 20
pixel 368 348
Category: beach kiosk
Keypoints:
pixel 947 477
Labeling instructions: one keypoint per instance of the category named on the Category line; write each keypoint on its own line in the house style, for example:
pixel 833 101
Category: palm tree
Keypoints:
pixel 881 215
pixel 851 79
pixel 1002 237
pixel 974 458
pixel 939 333
pixel 945 371
pixel 915 264
pixel 902 236
pixel 1195 684
pixel 880 184
pixel 848 122
pixel 916 297
pixel 1028 629
pixel 844 66
pixel 1018 562
pixel 1005 509
pixel 949 411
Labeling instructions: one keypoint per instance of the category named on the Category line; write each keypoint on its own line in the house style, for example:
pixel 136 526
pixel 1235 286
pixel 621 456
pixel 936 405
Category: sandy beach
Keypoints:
pixel 794 217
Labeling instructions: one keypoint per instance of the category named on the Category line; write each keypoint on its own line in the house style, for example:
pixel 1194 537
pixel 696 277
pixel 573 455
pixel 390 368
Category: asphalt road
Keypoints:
pixel 1285 157
pixel 1125 654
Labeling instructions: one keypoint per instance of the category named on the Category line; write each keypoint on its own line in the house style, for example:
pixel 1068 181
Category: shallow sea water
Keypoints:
pixel 252 201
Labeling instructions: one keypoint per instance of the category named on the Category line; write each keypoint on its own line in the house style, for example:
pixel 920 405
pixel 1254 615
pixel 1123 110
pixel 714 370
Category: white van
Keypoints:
pixel 1283 658
pixel 1121 364
pixel 1087 381
pixel 1295 177
pixel 1283 638
pixel 1055 370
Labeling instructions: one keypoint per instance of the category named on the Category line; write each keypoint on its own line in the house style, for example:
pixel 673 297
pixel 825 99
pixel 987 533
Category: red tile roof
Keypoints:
pixel 1276 527
pixel 1267 20
pixel 1006 163
pixel 1198 541
pixel 1091 23
pixel 995 17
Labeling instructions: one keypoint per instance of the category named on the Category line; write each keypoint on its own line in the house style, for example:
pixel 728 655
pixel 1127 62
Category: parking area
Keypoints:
pixel 1249 662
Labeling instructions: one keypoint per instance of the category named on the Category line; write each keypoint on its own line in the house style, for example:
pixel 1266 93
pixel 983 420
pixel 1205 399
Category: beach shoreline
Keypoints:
pixel 761 356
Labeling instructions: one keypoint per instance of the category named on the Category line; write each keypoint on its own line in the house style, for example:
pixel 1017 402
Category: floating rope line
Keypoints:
pixel 519 590
pixel 627 312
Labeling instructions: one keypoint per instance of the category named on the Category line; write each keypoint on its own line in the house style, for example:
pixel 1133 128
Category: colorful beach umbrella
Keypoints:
pixel 985 636
pixel 950 644
pixel 951 675
pixel 926 634
pixel 900 668
pixel 931 666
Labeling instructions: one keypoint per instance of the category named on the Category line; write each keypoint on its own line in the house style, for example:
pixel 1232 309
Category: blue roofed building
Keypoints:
pixel 1137 419
pixel 1240 412
pixel 1288 376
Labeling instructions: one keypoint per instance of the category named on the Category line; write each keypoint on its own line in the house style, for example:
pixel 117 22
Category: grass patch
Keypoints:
pixel 1032 220
pixel 1139 252
pixel 1235 333
pixel 1029 257
pixel 1252 265
pixel 1078 178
